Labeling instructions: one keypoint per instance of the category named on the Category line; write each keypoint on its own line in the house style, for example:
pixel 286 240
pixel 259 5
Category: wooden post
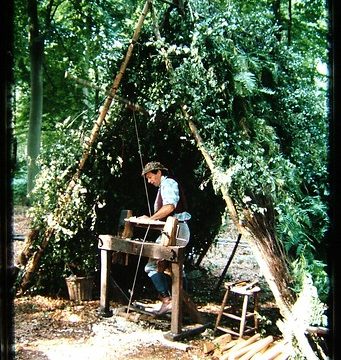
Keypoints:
pixel 168 237
pixel 105 273
pixel 125 229
pixel 222 276
pixel 177 283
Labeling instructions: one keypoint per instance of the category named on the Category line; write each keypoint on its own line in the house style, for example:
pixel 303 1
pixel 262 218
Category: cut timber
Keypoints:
pixel 222 340
pixel 258 346
pixel 168 237
pixel 208 347
pixel 242 348
pixel 219 343
pixel 282 356
pixel 231 344
pixel 259 354
pixel 275 350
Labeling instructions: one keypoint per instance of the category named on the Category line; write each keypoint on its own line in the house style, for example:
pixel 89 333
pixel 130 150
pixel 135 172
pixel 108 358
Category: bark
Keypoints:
pixel 27 250
pixel 289 21
pixel 36 44
pixel 33 262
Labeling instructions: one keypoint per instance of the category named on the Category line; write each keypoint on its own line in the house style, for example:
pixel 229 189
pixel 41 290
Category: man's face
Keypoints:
pixel 154 179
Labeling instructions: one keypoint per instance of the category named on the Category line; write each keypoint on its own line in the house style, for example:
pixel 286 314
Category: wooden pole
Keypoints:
pixel 105 273
pixel 58 213
pixel 222 276
pixel 127 103
pixel 275 273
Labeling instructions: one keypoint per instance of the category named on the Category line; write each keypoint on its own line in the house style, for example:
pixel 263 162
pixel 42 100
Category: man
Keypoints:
pixel 170 201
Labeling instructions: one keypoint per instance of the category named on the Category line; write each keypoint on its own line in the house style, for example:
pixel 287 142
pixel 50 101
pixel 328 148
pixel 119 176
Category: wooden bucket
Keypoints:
pixel 80 287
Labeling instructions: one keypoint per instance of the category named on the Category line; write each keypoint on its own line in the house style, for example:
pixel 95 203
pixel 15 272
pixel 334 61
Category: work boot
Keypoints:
pixel 166 306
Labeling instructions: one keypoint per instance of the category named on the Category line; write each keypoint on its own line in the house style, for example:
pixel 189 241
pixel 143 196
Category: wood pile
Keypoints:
pixel 255 347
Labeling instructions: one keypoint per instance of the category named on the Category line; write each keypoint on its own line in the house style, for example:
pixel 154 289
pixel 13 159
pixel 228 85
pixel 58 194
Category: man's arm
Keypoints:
pixel 163 212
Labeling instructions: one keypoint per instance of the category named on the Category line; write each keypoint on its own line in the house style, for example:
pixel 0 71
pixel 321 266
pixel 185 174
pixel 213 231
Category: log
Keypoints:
pixel 258 346
pixel 275 350
pixel 228 348
pixel 242 348
pixel 222 340
pixel 217 344
pixel 208 347
pixel 282 356
pixel 259 354
pixel 231 344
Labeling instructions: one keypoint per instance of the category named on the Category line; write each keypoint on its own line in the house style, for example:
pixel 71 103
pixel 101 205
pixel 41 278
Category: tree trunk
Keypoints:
pixel 36 44
pixel 289 21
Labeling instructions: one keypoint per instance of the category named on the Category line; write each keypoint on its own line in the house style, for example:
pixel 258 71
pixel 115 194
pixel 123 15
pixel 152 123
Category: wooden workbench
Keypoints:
pixel 175 254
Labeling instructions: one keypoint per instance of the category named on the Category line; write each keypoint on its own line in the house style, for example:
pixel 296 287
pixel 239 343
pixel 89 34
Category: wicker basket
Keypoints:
pixel 80 287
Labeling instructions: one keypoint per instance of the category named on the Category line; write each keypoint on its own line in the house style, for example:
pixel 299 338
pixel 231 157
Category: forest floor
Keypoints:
pixel 55 328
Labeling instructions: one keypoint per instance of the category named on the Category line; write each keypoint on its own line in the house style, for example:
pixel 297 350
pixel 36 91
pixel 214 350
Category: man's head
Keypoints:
pixel 153 172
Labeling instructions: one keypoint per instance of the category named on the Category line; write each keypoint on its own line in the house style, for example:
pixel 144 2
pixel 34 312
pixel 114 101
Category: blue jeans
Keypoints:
pixel 161 281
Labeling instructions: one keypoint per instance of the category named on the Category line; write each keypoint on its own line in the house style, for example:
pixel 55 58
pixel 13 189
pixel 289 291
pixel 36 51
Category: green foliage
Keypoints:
pixel 73 248
pixel 19 187
pixel 316 273
pixel 255 100
pixel 19 183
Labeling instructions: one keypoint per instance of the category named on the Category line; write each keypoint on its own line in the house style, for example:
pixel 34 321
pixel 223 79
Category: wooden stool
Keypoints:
pixel 246 291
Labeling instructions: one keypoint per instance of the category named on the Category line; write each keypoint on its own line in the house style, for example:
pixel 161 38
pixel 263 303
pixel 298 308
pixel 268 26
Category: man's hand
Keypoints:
pixel 143 217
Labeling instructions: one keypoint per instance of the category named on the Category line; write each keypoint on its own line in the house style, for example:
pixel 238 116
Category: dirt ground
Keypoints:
pixel 60 329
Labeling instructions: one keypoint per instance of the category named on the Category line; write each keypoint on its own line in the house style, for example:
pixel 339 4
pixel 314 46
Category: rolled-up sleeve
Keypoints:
pixel 169 192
